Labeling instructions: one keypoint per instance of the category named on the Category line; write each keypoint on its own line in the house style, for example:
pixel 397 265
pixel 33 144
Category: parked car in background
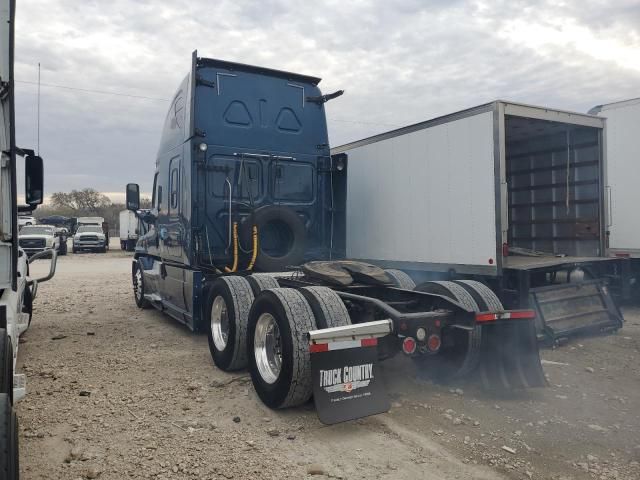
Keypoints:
pixel 24 220
pixel 90 237
pixel 37 238
pixel 128 230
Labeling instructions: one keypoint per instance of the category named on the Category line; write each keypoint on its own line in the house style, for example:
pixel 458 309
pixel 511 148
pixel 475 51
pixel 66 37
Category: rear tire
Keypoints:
pixel 460 352
pixel 401 279
pixel 486 299
pixel 6 369
pixel 260 282
pixel 9 451
pixel 278 325
pixel 229 302
pixel 137 279
pixel 327 307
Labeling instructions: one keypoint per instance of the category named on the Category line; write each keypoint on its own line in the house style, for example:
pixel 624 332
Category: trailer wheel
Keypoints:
pixel 485 298
pixel 401 279
pixel 6 369
pixel 9 452
pixel 278 347
pixel 137 279
pixel 230 300
pixel 460 351
pixel 510 355
pixel 327 307
pixel 260 282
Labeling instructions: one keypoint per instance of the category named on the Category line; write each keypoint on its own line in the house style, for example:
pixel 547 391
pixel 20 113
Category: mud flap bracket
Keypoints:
pixel 345 371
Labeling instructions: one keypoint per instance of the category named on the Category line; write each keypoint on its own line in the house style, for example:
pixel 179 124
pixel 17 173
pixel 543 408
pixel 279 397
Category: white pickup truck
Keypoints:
pixel 90 237
pixel 38 238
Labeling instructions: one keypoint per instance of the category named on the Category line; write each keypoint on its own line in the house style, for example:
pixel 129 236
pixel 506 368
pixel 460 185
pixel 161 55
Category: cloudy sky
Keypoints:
pixel 400 62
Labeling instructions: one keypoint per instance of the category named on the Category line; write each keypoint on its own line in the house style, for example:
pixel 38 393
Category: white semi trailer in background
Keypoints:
pixel 128 230
pixel 17 288
pixel 623 169
pixel 508 194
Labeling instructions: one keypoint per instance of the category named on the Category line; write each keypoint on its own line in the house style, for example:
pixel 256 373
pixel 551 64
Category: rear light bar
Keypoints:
pixel 513 315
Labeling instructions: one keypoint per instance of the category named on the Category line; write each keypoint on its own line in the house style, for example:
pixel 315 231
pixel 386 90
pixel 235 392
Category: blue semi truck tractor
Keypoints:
pixel 245 240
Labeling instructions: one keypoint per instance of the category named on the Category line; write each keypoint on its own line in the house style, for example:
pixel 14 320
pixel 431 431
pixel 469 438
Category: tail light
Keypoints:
pixel 409 345
pixel 434 342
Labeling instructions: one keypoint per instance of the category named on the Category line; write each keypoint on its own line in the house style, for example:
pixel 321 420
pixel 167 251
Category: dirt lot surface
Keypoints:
pixel 115 392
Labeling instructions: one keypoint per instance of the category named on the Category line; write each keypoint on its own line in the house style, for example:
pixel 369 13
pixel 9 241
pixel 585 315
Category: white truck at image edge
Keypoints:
pixel 128 230
pixel 623 171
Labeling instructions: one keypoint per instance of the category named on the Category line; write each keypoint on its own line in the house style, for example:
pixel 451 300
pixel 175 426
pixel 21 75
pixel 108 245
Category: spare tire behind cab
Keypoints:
pixel 282 237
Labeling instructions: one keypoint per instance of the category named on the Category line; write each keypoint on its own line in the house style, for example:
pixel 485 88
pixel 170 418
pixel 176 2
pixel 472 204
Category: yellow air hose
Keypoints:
pixel 235 250
pixel 254 254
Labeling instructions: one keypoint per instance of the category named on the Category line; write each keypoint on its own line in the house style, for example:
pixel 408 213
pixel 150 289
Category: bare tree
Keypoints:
pixel 87 200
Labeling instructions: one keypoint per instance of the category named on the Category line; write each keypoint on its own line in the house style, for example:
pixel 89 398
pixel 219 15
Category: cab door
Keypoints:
pixel 172 241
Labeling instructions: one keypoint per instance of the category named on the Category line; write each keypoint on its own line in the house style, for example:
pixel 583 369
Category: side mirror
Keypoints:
pixel 34 179
pixel 133 196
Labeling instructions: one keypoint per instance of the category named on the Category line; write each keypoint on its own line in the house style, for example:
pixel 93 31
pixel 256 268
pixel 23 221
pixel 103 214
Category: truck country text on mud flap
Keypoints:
pixel 344 366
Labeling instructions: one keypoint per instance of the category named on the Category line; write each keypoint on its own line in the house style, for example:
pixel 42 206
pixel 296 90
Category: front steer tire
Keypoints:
pixel 294 319
pixel 6 369
pixel 137 280
pixel 234 295
pixel 9 452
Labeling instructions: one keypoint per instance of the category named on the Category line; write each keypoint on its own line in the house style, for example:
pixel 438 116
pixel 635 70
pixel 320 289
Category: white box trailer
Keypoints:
pixel 622 145
pixel 507 193
pixel 128 230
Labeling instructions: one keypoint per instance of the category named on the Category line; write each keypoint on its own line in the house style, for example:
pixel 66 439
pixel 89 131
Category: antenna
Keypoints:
pixel 38 128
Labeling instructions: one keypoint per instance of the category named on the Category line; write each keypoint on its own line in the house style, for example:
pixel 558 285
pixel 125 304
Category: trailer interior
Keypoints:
pixel 554 179
pixel 554 259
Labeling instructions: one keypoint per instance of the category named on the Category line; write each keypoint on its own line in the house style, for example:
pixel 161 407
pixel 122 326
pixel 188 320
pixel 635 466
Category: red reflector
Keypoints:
pixel 623 255
pixel 523 314
pixel 409 345
pixel 318 347
pixel 369 342
pixel 486 317
pixel 505 249
pixel 433 343
pixel 490 316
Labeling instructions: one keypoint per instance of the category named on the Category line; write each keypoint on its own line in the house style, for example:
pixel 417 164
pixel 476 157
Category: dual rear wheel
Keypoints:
pixel 254 323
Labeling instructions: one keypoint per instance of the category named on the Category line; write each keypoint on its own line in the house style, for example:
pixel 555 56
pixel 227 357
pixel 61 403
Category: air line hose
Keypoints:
pixel 235 250
pixel 254 254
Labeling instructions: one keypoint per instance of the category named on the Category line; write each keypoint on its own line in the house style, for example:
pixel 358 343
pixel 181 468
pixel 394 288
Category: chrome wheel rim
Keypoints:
pixel 268 348
pixel 137 286
pixel 219 323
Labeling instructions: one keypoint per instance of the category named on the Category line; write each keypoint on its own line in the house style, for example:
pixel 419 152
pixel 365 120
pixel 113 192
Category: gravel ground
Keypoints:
pixel 116 392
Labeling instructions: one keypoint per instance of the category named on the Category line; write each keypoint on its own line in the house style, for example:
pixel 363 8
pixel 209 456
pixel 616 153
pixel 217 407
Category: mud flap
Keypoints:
pixel 509 357
pixel 344 368
pixel 574 308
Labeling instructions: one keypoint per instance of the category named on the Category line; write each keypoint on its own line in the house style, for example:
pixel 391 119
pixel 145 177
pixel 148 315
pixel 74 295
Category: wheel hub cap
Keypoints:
pixel 268 348
pixel 137 287
pixel 219 323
